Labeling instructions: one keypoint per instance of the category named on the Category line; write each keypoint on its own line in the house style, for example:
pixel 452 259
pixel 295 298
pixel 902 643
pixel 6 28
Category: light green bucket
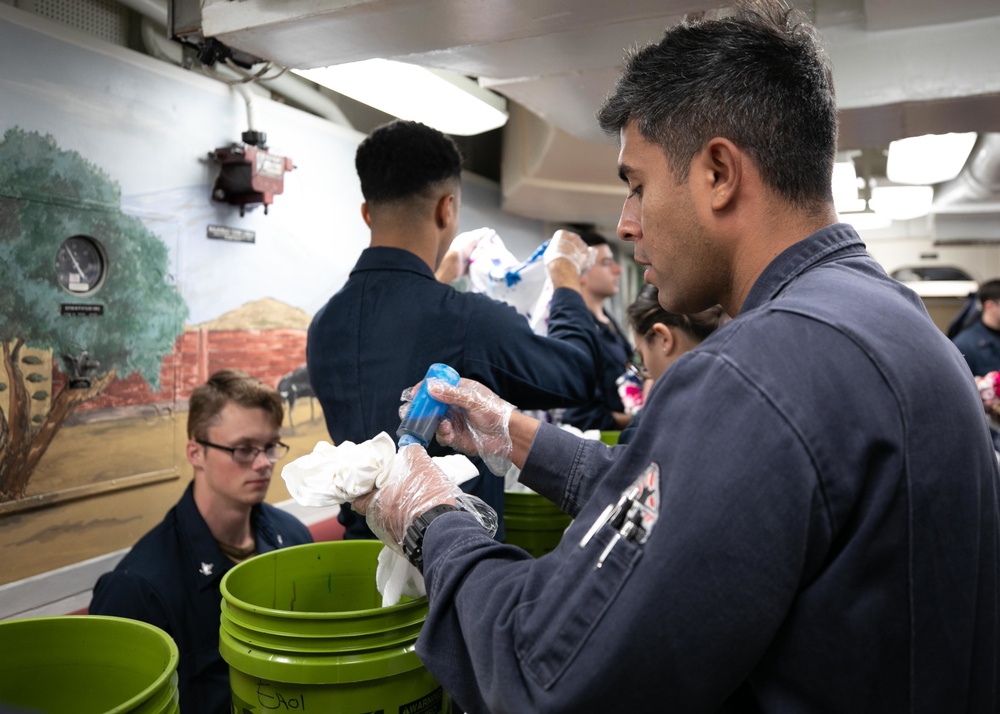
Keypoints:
pixel 87 664
pixel 303 628
pixel 610 437
pixel 533 522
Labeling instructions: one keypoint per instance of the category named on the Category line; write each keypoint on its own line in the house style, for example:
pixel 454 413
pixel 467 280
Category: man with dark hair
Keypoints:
pixel 392 319
pixel 807 517
pixel 605 410
pixel 980 342
pixel 170 578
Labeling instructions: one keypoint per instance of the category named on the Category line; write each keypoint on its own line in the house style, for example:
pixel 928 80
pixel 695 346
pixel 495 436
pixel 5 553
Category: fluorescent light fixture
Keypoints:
pixel 845 187
pixel 901 203
pixel 928 159
pixel 448 101
pixel 865 220
pixel 943 288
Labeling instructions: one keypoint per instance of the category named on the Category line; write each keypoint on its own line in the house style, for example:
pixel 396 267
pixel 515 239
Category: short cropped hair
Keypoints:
pixel 591 237
pixel 230 386
pixel 757 77
pixel 990 290
pixel 646 311
pixel 405 159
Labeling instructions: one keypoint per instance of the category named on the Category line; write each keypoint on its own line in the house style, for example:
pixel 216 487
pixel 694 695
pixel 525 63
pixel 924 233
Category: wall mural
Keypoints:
pixel 69 316
pixel 124 285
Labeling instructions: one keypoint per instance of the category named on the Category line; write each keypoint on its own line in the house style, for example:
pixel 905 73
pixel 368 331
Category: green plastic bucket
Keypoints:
pixel 533 522
pixel 303 629
pixel 610 437
pixel 87 664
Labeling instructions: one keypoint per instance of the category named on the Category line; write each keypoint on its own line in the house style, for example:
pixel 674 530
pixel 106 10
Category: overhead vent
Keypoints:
pixel 549 175
pixel 105 19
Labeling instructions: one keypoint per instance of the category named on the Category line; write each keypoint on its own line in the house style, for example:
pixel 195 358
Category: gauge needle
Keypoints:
pixel 77 264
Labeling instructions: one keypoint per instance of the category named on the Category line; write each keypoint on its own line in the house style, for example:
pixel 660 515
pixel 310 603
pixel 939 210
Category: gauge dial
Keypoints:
pixel 80 265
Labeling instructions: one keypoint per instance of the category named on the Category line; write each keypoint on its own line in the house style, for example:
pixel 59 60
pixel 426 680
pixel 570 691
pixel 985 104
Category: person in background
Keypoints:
pixel 605 410
pixel 170 578
pixel 662 337
pixel 806 519
pixel 394 317
pixel 980 342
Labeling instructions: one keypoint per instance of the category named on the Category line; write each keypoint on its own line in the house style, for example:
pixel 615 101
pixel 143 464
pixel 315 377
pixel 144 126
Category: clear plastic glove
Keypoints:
pixel 414 486
pixel 477 422
pixel 570 246
pixel 465 243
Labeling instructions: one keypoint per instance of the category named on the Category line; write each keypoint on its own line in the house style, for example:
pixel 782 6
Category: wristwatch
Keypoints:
pixel 413 542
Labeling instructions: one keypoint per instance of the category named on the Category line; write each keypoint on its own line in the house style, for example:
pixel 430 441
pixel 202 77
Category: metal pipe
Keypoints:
pixel 291 86
pixel 979 181
pixel 155 10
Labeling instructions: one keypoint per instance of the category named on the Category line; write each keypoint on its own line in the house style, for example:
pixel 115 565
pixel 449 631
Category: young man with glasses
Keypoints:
pixel 171 576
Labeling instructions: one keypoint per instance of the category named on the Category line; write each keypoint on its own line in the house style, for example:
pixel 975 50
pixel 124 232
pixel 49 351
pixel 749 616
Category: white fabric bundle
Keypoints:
pixel 339 474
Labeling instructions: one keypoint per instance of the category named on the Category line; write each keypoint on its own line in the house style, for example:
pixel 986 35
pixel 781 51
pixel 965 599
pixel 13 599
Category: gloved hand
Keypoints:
pixel 570 246
pixel 414 486
pixel 464 244
pixel 477 422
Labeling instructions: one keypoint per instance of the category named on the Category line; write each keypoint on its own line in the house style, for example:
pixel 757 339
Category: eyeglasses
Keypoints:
pixel 636 367
pixel 248 454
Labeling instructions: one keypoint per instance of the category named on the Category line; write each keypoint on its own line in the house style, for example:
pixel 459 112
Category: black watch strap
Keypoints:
pixel 413 542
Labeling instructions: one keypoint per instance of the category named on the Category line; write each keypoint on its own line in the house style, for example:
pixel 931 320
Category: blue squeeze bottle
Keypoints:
pixel 420 422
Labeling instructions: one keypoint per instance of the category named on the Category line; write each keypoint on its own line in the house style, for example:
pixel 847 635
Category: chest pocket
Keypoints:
pixel 556 629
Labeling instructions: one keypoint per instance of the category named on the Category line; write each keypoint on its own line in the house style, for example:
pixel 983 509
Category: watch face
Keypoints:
pixel 80 265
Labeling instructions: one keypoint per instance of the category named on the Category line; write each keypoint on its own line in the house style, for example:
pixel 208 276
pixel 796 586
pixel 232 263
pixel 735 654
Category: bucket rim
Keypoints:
pixel 87 620
pixel 372 612
pixel 305 667
pixel 369 612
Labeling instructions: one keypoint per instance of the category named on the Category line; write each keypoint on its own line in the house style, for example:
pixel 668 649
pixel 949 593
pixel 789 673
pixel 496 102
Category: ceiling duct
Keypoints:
pixel 967 208
pixel 979 182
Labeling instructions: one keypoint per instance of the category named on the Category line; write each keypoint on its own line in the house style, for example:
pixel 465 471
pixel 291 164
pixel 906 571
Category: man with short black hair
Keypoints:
pixel 980 342
pixel 806 519
pixel 604 411
pixel 392 319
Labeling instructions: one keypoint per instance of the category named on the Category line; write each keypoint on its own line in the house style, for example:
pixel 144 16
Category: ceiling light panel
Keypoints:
pixel 928 159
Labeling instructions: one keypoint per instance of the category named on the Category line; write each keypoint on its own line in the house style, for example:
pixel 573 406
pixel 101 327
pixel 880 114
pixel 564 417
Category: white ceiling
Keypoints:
pixel 902 67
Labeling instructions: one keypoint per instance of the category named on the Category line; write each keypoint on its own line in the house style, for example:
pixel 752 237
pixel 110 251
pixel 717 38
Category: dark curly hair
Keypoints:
pixel 405 159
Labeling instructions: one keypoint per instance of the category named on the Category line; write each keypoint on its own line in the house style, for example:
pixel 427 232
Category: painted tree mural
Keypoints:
pixel 46 196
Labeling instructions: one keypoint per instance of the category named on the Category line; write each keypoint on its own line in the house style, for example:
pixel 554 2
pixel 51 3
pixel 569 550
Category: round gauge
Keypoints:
pixel 80 265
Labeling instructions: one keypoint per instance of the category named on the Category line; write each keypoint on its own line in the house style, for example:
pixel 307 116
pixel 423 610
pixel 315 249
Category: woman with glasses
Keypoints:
pixel 661 338
pixel 171 576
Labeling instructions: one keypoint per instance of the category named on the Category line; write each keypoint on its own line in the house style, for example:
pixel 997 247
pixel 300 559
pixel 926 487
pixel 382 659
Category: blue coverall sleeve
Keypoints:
pixel 534 371
pixel 566 468
pixel 678 620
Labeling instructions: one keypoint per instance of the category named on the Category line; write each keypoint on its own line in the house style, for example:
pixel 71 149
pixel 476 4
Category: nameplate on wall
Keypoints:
pixel 235 235
pixel 76 310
